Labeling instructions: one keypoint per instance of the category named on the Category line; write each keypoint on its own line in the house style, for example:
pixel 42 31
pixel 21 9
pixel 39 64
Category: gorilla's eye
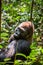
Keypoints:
pixel 17 29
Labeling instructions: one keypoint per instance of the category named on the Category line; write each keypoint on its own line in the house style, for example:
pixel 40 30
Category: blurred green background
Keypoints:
pixel 13 13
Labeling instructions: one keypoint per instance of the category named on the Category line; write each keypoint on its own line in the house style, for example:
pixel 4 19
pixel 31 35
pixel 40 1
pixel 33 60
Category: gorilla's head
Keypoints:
pixel 24 30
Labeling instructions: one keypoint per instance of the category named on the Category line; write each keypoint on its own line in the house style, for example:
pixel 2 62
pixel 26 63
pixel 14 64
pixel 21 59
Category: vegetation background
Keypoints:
pixel 13 13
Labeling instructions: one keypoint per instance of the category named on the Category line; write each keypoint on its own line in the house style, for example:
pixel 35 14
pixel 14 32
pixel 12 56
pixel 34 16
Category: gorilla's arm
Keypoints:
pixel 9 51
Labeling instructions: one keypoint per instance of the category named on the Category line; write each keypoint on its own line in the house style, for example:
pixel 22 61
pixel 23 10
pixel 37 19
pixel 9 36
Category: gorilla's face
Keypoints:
pixel 17 33
pixel 21 32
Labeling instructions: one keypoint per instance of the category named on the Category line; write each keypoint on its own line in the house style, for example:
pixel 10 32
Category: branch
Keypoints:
pixel 0 20
pixel 31 10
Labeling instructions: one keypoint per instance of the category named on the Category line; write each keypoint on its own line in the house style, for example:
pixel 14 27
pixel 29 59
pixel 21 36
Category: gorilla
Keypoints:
pixel 19 42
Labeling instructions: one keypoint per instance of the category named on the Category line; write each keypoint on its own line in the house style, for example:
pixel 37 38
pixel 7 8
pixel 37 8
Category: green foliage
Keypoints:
pixel 13 13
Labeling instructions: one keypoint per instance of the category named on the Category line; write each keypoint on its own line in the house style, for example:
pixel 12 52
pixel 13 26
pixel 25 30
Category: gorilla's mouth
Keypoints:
pixel 16 36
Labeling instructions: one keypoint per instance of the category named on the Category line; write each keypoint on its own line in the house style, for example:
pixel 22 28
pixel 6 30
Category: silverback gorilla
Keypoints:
pixel 19 42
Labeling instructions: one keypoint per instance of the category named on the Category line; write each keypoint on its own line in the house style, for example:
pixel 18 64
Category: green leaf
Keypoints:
pixel 7 59
pixel 4 38
pixel 1 46
pixel 4 34
pixel 18 62
pixel 20 54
